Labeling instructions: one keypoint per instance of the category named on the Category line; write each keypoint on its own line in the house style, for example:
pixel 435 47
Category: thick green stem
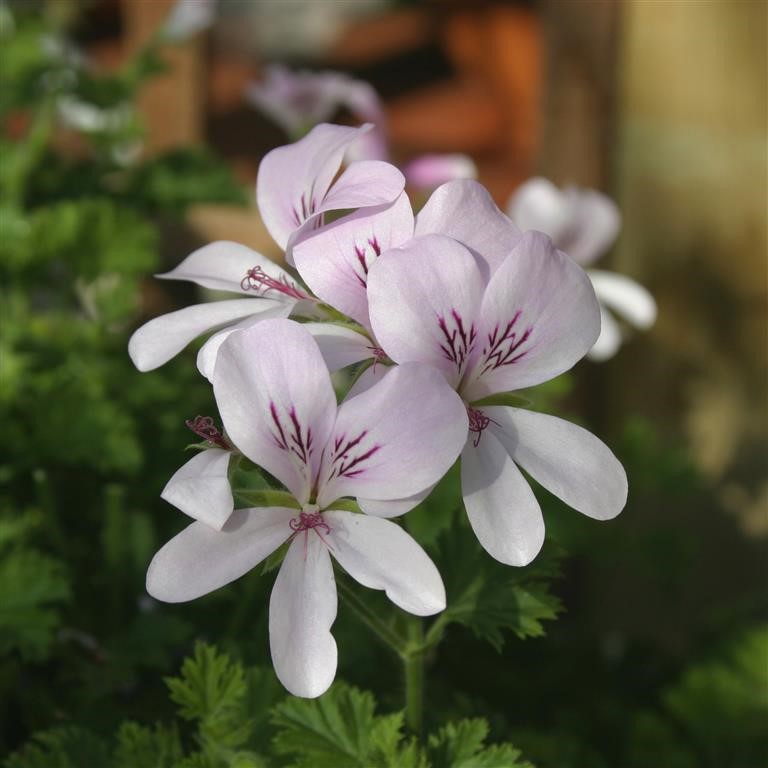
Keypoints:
pixel 387 635
pixel 413 663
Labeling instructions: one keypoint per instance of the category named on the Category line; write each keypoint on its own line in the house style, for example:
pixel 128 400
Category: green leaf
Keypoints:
pixel 61 748
pixel 489 597
pixel 142 747
pixel 341 730
pixel 461 745
pixel 32 588
pixel 502 398
pixel 210 691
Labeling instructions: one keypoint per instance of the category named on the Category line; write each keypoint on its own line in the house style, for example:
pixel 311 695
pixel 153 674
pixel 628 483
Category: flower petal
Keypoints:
pixel 340 346
pixel 207 354
pixel 364 183
pixel 302 610
pixel 465 211
pixel 200 488
pixel 201 559
pixel 501 507
pixel 624 296
pixel 567 460
pixel 539 317
pixel 393 508
pixel 609 340
pixel 538 204
pixel 594 227
pixel 292 181
pixel 276 401
pixel 162 338
pixel 334 262
pixel 380 555
pixel 430 171
pixel 222 266
pixel 424 300
pixel 395 439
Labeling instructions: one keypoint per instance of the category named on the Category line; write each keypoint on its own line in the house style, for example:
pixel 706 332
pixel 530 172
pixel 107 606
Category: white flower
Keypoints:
pixel 278 407
pixel 584 224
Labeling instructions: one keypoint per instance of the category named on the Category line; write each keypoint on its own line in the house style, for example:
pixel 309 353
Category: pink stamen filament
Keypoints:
pixel 310 521
pixel 478 423
pixel 256 279
pixel 204 427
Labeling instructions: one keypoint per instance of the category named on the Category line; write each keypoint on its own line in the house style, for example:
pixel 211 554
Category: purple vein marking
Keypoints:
pixel 345 465
pixel 291 440
pixel 458 342
pixel 502 348
pixel 363 261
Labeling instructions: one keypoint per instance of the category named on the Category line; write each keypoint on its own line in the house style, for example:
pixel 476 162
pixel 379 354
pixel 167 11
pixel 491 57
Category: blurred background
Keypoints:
pixel 121 155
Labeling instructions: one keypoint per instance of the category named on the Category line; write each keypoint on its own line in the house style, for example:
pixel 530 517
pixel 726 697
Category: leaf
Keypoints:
pixel 32 588
pixel 341 730
pixel 461 745
pixel 210 691
pixel 142 747
pixel 68 747
pixel 489 597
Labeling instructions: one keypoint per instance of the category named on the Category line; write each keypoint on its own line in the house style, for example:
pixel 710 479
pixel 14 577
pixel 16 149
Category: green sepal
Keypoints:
pixel 345 505
pixel 502 398
pixel 266 498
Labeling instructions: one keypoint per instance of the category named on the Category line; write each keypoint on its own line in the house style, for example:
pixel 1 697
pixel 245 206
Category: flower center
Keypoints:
pixel 478 422
pixel 307 521
pixel 378 355
pixel 257 280
pixel 205 427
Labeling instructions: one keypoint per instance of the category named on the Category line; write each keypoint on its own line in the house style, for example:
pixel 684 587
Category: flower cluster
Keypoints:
pixel 445 314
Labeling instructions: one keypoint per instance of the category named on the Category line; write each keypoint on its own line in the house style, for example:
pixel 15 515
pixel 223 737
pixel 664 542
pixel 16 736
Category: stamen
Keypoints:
pixel 379 356
pixel 256 279
pixel 204 427
pixel 478 422
pixel 310 521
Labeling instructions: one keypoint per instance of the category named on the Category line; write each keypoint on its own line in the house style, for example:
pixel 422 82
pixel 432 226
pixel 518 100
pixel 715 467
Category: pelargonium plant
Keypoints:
pixel 438 320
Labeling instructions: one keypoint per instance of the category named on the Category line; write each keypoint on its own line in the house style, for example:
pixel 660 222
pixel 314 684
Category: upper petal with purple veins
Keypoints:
pixel 539 316
pixel 335 261
pixel 424 303
pixel 295 183
pixel 276 400
pixel 395 439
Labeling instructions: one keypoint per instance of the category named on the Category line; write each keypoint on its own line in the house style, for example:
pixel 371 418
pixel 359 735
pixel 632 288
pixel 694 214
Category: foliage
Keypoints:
pixel 341 729
pixel 33 587
pixel 488 597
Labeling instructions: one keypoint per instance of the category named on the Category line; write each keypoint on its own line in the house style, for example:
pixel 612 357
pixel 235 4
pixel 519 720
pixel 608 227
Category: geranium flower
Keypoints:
pixel 278 408
pixel 431 171
pixel 335 261
pixel 585 223
pixel 294 189
pixel 533 319
pixel 298 183
pixel 297 100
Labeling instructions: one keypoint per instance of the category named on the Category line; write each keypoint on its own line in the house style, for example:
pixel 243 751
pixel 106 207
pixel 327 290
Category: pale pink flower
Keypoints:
pixel 278 408
pixel 584 224
pixel 531 320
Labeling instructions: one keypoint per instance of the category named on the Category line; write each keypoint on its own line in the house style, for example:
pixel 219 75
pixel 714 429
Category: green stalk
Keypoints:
pixel 413 664
pixel 387 635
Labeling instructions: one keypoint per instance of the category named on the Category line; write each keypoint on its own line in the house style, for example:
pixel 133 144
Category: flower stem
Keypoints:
pixel 387 635
pixel 413 663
